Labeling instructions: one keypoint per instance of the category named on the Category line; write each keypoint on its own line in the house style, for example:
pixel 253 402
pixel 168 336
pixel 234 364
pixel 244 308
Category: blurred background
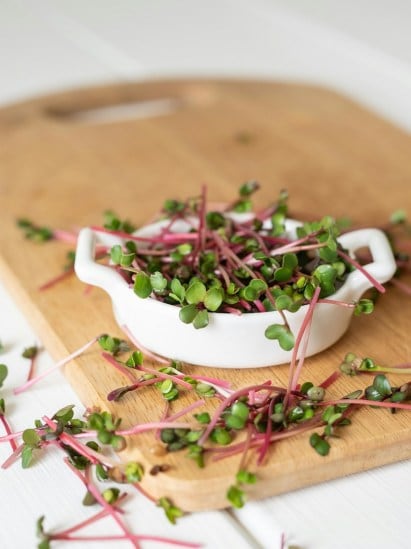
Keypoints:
pixel 360 47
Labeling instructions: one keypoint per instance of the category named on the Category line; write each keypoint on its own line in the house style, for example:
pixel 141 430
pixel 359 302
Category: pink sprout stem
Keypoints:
pixel 143 349
pixel 225 403
pixel 186 410
pixel 366 402
pixel 161 375
pixel 9 432
pixel 13 457
pixel 357 265
pixel 293 376
pixel 55 280
pixel 65 236
pixel 142 427
pixel 294 249
pixel 11 436
pixel 101 514
pixel 109 508
pixel 168 238
pixel 293 244
pixel 336 302
pixel 58 365
pixel 267 435
pixel 330 379
pixel 406 288
pixel 89 453
pixel 159 539
pixel 120 367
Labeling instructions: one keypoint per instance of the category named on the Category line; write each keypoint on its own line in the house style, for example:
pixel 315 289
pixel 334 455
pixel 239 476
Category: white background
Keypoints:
pixel 360 47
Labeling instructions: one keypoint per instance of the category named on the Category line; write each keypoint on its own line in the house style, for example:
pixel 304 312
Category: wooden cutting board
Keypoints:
pixel 62 167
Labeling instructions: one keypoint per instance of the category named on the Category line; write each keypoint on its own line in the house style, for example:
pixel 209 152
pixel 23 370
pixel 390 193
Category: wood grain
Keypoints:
pixel 333 157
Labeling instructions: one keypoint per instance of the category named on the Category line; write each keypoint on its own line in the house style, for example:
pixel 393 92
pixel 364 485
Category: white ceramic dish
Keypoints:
pixel 229 341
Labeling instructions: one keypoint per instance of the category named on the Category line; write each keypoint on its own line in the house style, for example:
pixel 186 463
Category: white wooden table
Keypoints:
pixel 357 47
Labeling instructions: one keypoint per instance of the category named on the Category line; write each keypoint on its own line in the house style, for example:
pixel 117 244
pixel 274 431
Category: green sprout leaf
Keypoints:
pixel 64 414
pixel 135 359
pixel 201 319
pixel 245 477
pixel 171 511
pixel 113 345
pixel 31 438
pixel 113 223
pixel 3 373
pixel 320 445
pixel 398 216
pixel 382 385
pixel 236 496
pixel 30 352
pixel 188 313
pixel 282 334
pixel 115 254
pixel 177 290
pixel 248 188
pixel 134 472
pixel 26 457
pixel 196 292
pixel 213 299
pixel 142 285
pixel 158 282
pixel 34 232
pixel 215 220
pixel 364 306
pixel 326 275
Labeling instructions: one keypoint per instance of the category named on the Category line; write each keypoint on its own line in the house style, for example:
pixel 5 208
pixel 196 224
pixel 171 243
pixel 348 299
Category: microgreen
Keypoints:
pixel 228 265
pixel 282 334
pixel 171 511
pixel 235 496
pixel 235 493
pixel 114 223
pixel 398 217
pixel 3 373
pixel 34 232
pixel 353 365
pixel 364 306
pixel 113 345
pixel 30 353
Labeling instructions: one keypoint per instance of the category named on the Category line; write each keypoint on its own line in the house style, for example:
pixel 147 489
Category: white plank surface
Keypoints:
pixel 47 45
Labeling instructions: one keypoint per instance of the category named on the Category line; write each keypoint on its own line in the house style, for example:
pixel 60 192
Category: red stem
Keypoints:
pixel 55 280
pixel 131 537
pixel 401 285
pixel 31 369
pixel 120 367
pixel 13 457
pixel 8 430
pixel 293 376
pixel 225 403
pixel 94 518
pixel 357 265
pixel 109 508
pixel 366 402
pixel 143 349
pixel 330 379
pixel 266 443
pixel 58 365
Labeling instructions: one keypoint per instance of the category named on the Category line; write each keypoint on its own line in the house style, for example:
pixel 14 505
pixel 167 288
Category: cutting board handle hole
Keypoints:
pixel 119 112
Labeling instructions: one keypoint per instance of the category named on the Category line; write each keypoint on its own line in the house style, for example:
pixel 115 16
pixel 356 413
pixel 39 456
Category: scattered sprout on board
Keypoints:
pixel 218 264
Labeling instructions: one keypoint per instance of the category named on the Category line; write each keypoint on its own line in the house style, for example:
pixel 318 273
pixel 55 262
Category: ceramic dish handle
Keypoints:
pixel 91 272
pixel 383 265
